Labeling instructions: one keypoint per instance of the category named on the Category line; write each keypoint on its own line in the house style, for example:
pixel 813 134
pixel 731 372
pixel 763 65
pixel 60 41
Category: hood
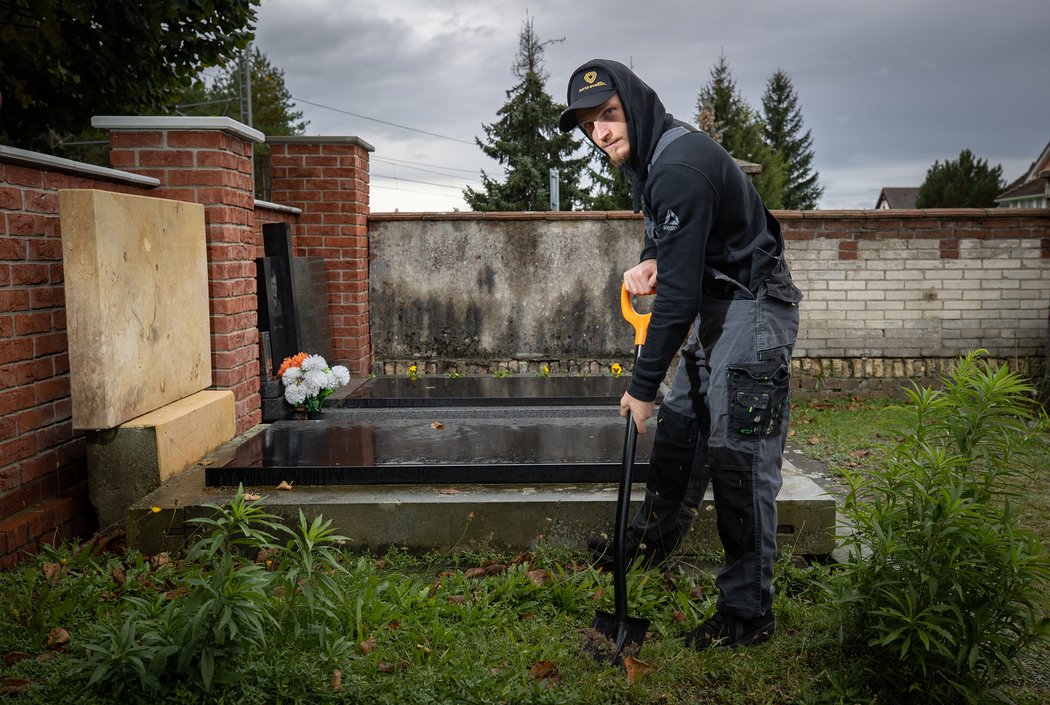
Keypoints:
pixel 646 117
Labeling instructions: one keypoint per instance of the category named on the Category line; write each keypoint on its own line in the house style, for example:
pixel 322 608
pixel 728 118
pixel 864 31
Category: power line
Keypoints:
pixel 384 122
pixel 435 166
pixel 415 181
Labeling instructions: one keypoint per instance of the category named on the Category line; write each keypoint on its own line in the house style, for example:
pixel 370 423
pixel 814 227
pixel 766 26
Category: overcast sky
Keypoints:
pixel 886 88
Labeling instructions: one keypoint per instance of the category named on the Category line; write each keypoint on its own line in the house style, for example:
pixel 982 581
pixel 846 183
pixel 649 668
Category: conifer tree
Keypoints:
pixel 740 131
pixel 783 132
pixel 612 188
pixel 526 139
pixel 273 111
pixel 965 183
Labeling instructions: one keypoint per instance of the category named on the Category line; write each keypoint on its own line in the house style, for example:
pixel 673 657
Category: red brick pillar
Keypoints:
pixel 327 178
pixel 208 160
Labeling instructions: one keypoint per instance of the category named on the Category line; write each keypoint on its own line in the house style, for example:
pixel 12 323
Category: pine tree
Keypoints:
pixel 740 131
pixel 783 132
pixel 273 111
pixel 966 183
pixel 613 188
pixel 526 139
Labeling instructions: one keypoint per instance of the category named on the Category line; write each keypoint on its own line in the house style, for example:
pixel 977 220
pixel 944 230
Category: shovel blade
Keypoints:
pixel 609 639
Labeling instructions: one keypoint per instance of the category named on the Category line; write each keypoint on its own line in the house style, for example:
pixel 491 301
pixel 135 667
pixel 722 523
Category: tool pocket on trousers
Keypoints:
pixel 778 313
pixel 758 397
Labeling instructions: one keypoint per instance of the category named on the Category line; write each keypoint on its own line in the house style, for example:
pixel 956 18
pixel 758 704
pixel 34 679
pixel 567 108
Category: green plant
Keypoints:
pixel 499 374
pixel 452 374
pixel 943 587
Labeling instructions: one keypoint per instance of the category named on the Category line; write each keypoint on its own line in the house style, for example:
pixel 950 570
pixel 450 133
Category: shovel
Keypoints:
pixel 623 633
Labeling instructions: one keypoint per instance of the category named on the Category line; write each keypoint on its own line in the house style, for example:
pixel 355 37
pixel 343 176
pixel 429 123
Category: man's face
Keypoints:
pixel 607 126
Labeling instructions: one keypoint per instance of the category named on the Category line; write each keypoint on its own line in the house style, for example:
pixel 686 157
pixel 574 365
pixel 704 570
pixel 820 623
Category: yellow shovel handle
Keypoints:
pixel 638 320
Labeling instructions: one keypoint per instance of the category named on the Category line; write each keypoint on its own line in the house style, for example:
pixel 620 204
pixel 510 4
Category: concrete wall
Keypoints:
pixel 891 295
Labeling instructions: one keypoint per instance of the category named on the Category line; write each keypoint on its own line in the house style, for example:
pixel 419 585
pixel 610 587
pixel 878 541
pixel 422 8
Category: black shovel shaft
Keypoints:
pixel 623 506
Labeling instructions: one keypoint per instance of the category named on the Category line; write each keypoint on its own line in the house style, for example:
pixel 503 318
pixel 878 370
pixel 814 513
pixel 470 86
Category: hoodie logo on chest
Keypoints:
pixel 670 223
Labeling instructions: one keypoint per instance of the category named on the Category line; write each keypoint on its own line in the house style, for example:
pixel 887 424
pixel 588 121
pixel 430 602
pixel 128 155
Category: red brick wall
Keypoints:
pixel 212 168
pixel 43 472
pixel 328 179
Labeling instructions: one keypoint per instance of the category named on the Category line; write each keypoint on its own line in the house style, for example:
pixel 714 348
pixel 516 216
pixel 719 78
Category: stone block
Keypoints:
pixel 128 462
pixel 136 285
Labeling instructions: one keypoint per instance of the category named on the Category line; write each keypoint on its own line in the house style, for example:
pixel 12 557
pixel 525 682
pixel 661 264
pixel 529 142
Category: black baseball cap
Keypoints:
pixel 589 86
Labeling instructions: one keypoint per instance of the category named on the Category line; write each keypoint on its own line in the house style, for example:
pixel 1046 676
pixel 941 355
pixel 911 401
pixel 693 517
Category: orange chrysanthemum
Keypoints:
pixel 294 361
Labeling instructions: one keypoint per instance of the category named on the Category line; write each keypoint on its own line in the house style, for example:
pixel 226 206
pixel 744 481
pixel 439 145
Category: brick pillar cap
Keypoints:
pixel 188 123
pixel 316 139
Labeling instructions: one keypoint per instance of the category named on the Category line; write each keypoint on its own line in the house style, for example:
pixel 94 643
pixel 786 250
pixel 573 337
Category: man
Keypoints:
pixel 714 257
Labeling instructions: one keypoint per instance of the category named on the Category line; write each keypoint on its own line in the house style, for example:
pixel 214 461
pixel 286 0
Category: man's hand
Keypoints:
pixel 640 410
pixel 640 279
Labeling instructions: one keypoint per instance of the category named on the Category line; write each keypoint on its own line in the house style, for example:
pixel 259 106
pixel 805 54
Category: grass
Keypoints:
pixel 469 627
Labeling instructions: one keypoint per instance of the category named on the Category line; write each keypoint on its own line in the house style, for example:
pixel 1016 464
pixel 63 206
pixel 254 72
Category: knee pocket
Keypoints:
pixel 758 398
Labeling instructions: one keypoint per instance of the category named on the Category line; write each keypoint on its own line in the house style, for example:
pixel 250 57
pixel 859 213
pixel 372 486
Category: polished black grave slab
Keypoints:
pixel 515 390
pixel 584 449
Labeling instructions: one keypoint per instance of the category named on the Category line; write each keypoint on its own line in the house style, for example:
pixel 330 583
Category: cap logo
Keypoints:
pixel 590 80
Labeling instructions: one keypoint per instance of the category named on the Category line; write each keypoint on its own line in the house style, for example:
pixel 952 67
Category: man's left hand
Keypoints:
pixel 640 410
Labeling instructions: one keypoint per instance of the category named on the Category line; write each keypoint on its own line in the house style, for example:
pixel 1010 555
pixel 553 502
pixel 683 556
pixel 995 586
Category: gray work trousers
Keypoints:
pixel 724 422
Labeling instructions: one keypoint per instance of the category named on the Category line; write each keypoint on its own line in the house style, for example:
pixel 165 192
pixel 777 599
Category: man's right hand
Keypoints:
pixel 640 279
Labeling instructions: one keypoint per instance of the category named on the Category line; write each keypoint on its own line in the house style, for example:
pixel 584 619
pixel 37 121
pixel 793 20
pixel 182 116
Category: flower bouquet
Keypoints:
pixel 308 380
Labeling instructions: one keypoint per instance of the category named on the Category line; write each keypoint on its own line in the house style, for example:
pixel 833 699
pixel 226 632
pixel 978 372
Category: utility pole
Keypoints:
pixel 246 85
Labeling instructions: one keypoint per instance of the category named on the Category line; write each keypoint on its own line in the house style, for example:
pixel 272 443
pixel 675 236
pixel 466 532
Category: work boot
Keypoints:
pixel 728 631
pixel 652 554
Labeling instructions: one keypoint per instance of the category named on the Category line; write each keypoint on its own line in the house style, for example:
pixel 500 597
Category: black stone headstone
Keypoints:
pixel 310 293
pixel 277 240
pixel 276 307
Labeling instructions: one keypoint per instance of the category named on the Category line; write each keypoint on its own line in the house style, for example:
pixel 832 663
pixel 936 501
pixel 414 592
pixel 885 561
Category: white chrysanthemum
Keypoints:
pixel 291 376
pixel 313 381
pixel 314 362
pixel 341 374
pixel 295 394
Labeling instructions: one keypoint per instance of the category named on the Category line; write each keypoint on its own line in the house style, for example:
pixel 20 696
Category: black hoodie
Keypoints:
pixel 703 216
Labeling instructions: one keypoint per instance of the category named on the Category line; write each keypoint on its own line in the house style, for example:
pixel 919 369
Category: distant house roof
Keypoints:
pixel 1032 190
pixel 897 197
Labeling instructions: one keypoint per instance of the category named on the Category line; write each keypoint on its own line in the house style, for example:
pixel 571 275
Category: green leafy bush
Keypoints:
pixel 943 588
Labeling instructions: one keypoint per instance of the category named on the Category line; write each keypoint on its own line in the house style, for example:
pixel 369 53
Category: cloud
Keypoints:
pixel 905 83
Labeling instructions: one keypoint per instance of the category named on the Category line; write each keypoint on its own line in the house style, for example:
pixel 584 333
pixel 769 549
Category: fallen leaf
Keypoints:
pixel 384 667
pixel 791 433
pixel 814 440
pixel 679 616
pixel 539 577
pixel 859 453
pixel 52 571
pixel 57 639
pixel 450 490
pixel 337 679
pixel 207 461
pixel 424 647
pixel 265 555
pixel 598 594
pixel 545 672
pixel 13 657
pixel 636 670
pixel 252 497
pixel 285 485
pixel 485 569
pixel 15 686
pixel 368 645
pixel 437 425
pixel 394 626
pixel 117 575
pixel 696 593
pixel 522 558
pixel 457 599
pixel 160 560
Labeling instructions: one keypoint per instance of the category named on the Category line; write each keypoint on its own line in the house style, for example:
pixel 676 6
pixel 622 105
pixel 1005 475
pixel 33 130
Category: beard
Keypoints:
pixel 619 159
